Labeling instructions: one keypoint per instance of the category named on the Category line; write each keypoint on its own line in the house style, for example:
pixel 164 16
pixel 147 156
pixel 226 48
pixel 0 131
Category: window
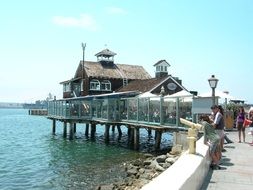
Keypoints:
pixel 94 84
pixel 66 87
pixel 82 85
pixel 106 85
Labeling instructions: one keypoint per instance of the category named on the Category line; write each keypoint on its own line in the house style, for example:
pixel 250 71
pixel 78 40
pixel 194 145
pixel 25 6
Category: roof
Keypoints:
pixel 152 85
pixel 105 53
pixel 95 69
pixel 104 96
pixel 71 80
pixel 142 85
pixel 162 61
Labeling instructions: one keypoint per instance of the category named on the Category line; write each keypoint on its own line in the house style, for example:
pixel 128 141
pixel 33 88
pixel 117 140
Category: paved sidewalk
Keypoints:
pixel 237 166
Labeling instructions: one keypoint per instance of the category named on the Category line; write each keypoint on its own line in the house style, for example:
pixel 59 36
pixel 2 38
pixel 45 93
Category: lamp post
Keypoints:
pixel 213 84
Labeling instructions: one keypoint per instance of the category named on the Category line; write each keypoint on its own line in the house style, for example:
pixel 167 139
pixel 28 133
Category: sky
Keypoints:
pixel 40 42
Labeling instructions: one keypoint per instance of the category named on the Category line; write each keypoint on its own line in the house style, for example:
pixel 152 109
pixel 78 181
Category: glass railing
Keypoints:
pixel 156 111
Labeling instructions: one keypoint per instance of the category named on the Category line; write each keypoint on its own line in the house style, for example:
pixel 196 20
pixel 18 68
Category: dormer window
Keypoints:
pixel 106 85
pixel 94 84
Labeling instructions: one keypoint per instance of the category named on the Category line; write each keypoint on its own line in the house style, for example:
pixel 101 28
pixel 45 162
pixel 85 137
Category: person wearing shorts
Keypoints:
pixel 239 123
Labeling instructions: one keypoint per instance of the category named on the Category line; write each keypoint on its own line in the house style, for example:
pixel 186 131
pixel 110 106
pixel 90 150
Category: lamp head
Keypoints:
pixel 213 81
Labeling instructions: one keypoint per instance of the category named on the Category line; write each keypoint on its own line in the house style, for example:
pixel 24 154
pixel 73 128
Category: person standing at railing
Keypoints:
pixel 212 139
pixel 219 124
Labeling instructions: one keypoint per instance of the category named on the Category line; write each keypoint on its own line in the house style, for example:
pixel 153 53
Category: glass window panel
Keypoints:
pixel 170 111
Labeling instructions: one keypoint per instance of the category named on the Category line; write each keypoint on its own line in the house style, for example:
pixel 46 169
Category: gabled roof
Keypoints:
pixel 95 69
pixel 162 61
pixel 105 53
pixel 152 85
pixel 142 85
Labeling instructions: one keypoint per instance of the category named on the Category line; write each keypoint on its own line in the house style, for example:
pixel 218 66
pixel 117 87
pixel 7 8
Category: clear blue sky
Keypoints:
pixel 40 42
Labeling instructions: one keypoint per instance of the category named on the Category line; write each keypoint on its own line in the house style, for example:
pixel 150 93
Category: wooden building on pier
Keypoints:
pixel 109 94
pixel 101 76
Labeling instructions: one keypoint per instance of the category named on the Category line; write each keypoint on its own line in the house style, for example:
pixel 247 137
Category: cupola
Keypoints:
pixel 105 57
pixel 161 68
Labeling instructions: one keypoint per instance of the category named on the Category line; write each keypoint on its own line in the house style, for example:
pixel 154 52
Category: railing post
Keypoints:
pixel 177 112
pixel 161 110
pixel 138 109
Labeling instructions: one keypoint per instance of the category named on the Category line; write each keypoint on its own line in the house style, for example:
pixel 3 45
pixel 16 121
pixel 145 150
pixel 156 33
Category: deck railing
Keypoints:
pixel 155 111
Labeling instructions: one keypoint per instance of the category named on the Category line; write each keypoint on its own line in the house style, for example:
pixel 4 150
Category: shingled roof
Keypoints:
pixel 95 69
pixel 106 52
pixel 142 85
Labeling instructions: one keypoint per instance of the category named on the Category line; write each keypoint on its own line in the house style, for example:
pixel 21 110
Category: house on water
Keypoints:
pixel 107 93
pixel 101 76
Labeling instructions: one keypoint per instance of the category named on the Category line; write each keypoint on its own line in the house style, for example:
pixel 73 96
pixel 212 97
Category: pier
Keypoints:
pixel 116 110
pixel 37 111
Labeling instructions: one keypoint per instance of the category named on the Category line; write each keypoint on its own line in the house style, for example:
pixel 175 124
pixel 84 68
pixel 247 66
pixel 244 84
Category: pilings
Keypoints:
pixel 54 127
pixel 64 129
pixel 133 133
pixel 37 111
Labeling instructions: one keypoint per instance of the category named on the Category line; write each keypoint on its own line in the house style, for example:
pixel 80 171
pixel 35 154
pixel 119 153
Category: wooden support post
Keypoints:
pixel 113 128
pixel 119 130
pixel 107 129
pixel 54 127
pixel 136 138
pixel 87 129
pixel 128 132
pixel 93 130
pixel 149 132
pixel 71 131
pixel 64 129
pixel 74 128
pixel 158 139
pixel 131 137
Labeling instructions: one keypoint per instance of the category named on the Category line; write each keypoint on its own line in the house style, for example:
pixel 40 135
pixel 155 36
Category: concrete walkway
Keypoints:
pixel 237 166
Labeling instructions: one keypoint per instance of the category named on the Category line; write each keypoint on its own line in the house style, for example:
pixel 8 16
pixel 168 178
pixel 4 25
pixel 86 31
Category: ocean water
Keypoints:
pixel 32 158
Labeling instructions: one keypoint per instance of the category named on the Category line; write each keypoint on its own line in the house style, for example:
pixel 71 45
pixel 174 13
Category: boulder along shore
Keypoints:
pixel 141 171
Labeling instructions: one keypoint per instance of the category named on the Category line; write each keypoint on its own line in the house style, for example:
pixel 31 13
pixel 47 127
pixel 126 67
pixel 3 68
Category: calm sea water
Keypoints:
pixel 32 158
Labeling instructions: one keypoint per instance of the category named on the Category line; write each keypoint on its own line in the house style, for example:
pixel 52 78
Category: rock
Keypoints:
pixel 171 155
pixel 161 158
pixel 132 171
pixel 170 160
pixel 148 155
pixel 176 149
pixel 105 187
pixel 166 165
pixel 159 168
pixel 147 162
pixel 137 162
pixel 142 171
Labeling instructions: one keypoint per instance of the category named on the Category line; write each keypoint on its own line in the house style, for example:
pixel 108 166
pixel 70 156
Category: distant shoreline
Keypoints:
pixel 10 105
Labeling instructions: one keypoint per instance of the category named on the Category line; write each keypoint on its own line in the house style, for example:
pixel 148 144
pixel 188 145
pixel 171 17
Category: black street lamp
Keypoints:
pixel 213 84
